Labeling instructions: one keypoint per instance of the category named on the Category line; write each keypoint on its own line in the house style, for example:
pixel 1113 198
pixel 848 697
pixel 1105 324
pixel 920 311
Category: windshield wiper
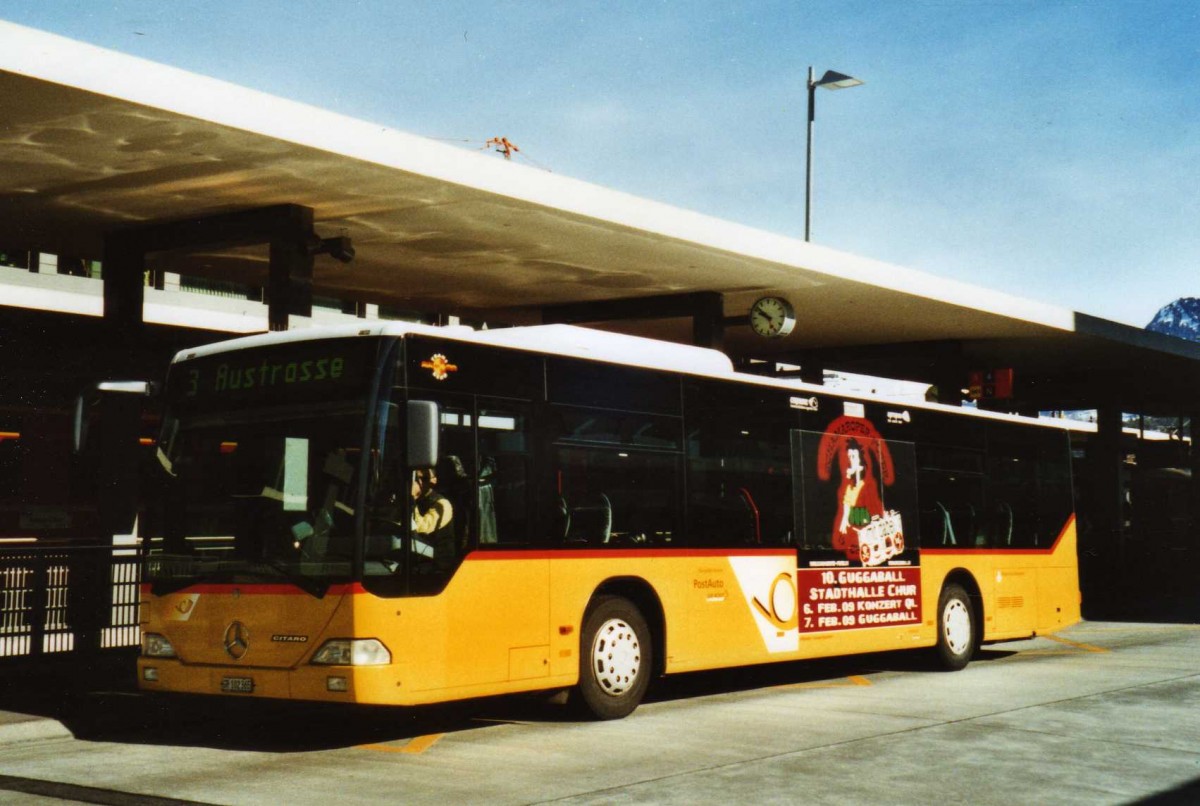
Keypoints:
pixel 162 581
pixel 314 586
pixel 163 584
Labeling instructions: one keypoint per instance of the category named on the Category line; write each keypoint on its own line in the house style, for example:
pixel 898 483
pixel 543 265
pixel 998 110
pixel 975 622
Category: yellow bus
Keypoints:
pixel 401 514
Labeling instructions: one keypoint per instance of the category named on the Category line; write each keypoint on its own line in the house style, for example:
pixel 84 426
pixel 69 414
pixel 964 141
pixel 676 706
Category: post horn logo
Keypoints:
pixel 440 365
pixel 237 640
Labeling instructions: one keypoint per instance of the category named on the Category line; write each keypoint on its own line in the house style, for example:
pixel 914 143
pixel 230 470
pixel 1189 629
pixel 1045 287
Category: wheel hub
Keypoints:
pixel 956 622
pixel 616 657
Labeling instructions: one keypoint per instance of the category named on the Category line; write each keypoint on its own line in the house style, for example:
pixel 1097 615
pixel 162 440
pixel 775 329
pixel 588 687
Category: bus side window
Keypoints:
pixel 952 497
pixel 503 475
pixel 456 463
pixel 618 498
pixel 739 479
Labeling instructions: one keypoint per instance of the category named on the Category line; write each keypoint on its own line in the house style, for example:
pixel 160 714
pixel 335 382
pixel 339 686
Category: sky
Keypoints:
pixel 1045 148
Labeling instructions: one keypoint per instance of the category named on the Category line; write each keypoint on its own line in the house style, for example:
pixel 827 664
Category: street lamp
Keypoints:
pixel 831 81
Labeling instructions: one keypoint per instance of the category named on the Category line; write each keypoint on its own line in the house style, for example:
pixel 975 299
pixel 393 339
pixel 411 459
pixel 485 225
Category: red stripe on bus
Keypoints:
pixel 262 589
pixel 1002 552
pixel 595 554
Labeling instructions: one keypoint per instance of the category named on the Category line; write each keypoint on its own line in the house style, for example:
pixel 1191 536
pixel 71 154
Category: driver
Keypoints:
pixel 432 516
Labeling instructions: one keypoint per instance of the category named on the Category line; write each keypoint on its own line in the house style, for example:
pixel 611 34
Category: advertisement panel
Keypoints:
pixel 859 564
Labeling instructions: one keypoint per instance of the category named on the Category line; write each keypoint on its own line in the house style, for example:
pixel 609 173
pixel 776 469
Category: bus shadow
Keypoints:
pixel 819 672
pixel 255 725
pixel 101 708
pixel 99 701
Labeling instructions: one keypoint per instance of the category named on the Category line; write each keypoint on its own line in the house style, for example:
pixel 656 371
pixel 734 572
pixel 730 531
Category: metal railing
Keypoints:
pixel 80 600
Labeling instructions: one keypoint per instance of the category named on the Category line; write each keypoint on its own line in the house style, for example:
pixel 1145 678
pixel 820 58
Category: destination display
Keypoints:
pixel 305 371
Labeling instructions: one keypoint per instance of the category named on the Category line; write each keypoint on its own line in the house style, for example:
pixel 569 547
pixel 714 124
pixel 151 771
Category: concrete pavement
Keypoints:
pixel 37 697
pixel 16 727
pixel 1101 713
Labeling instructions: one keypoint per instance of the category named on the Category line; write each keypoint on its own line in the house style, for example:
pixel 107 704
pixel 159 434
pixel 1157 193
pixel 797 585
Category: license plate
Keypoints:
pixel 237 685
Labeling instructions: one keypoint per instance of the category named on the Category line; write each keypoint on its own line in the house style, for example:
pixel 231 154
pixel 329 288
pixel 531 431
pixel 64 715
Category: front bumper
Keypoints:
pixel 377 685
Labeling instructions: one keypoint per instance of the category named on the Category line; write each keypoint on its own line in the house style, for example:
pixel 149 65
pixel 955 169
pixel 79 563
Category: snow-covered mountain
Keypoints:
pixel 1181 318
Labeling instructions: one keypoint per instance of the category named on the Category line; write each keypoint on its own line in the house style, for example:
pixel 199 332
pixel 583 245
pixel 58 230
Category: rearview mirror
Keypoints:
pixel 90 397
pixel 421 449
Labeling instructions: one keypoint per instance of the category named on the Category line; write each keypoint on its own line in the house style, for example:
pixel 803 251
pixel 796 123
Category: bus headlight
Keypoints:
pixel 352 652
pixel 157 646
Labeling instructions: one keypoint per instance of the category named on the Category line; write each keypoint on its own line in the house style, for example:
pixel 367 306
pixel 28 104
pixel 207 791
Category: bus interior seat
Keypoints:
pixel 748 500
pixel 933 526
pixel 967 522
pixel 999 529
pixel 948 538
pixel 488 532
pixel 721 520
pixel 452 482
pixel 592 522
pixel 560 519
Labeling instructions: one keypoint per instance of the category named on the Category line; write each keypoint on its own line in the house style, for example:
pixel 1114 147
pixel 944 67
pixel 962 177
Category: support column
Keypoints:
pixel 948 381
pixel 812 371
pixel 288 228
pixel 289 292
pixel 1102 552
pixel 948 369
pixel 124 292
pixel 708 322
pixel 1194 464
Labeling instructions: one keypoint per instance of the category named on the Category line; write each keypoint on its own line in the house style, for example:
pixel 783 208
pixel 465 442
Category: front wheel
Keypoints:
pixel 615 659
pixel 956 628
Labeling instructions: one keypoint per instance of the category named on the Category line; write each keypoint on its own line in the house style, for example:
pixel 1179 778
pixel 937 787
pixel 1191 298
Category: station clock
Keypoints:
pixel 772 317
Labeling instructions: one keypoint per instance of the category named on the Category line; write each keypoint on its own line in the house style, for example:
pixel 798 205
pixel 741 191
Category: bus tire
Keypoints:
pixel 615 659
pixel 955 628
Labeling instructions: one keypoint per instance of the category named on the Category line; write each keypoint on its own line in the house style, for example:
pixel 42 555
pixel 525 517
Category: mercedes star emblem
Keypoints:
pixel 237 640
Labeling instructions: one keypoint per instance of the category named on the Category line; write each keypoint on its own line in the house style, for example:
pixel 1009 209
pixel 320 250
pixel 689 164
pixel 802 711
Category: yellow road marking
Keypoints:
pixel 1089 628
pixel 854 680
pixel 415 746
pixel 496 721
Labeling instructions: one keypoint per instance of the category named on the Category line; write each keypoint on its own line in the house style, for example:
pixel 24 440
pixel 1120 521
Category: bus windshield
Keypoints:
pixel 256 496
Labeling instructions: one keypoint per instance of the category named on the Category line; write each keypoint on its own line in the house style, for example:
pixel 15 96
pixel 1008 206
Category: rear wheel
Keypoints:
pixel 956 628
pixel 615 658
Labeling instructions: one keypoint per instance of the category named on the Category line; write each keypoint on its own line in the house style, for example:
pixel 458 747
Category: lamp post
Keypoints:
pixel 831 81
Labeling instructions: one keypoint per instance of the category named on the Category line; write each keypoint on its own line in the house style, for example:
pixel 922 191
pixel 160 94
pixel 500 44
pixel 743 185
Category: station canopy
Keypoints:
pixel 92 141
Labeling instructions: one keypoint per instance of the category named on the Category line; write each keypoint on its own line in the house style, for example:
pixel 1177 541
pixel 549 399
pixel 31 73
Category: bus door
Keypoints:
pixel 477 598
